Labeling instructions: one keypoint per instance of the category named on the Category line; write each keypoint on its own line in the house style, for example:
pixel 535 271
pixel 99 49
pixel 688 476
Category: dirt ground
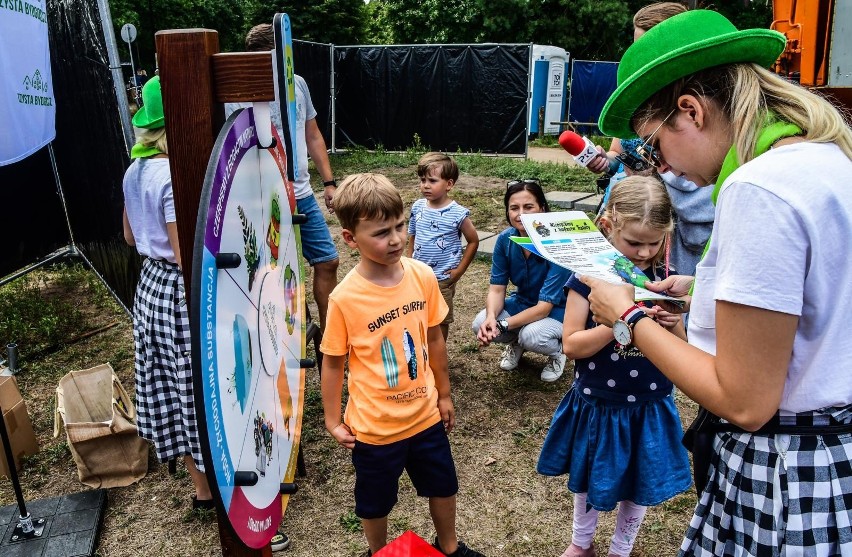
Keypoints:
pixel 504 507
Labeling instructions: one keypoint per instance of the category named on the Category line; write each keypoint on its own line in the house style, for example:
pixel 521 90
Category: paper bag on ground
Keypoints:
pixel 100 422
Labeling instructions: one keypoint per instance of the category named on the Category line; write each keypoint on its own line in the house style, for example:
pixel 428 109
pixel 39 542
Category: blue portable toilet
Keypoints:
pixel 548 87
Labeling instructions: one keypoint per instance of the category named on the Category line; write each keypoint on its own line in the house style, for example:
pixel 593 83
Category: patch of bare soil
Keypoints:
pixel 504 507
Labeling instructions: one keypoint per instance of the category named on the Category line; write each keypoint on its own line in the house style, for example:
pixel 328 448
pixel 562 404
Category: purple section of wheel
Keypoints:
pixel 241 138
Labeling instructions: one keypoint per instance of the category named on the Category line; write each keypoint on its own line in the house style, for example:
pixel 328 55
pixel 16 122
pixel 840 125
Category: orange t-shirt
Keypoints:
pixel 392 393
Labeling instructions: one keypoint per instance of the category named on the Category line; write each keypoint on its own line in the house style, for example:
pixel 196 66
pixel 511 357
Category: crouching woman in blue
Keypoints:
pixel 530 318
pixel 617 431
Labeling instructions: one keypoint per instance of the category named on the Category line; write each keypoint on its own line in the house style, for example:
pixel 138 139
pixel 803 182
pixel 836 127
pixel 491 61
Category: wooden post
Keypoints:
pixel 193 119
pixel 194 115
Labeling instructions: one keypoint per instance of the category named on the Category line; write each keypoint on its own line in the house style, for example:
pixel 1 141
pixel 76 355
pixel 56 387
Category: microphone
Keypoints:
pixel 583 150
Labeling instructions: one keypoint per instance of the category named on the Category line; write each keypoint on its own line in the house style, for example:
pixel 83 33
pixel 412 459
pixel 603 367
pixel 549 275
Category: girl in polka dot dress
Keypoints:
pixel 617 431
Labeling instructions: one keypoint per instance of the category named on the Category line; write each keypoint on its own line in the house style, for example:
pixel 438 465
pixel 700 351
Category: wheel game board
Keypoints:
pixel 249 328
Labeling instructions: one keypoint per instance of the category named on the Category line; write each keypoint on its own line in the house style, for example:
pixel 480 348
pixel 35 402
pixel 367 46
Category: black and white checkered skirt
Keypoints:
pixel 777 495
pixel 163 363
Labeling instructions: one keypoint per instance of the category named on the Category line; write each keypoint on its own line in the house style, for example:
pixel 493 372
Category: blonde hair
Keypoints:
pixel 153 138
pixel 448 168
pixel 643 200
pixel 366 196
pixel 653 14
pixel 749 96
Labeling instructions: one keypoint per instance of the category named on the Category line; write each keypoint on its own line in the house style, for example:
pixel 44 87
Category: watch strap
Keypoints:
pixel 635 316
pixel 630 310
pixel 331 182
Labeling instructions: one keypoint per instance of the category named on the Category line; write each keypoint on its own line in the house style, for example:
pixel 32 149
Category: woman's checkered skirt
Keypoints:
pixel 776 495
pixel 163 363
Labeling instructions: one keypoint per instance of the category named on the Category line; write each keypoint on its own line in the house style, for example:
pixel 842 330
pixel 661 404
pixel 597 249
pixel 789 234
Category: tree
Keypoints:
pixel 425 21
pixel 150 16
pixel 322 21
pixel 587 29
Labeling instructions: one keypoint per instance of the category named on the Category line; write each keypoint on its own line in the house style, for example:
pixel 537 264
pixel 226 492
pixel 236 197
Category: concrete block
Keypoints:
pixel 566 199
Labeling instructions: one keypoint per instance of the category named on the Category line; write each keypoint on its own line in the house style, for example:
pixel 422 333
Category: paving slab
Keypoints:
pixel 486 244
pixel 566 199
pixel 588 204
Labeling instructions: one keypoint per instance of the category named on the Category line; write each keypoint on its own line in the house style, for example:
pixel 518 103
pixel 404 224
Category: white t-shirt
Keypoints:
pixel 781 242
pixel 150 204
pixel 304 111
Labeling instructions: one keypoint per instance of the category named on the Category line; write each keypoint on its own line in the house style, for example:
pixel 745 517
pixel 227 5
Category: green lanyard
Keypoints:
pixel 767 138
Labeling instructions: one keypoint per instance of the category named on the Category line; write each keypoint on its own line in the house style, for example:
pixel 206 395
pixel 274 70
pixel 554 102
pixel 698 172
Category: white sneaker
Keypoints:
pixel 553 368
pixel 511 356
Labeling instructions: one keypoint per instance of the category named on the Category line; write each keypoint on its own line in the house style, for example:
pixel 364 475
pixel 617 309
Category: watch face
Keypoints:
pixel 621 332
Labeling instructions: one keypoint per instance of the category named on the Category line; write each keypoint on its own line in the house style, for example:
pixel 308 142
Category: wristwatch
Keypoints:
pixel 503 325
pixel 331 182
pixel 622 329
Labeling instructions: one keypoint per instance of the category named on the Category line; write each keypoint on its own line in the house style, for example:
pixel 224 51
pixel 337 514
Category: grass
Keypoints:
pixel 556 177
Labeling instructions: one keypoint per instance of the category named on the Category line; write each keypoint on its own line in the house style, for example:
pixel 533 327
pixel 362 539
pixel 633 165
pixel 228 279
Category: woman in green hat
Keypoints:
pixel 164 401
pixel 770 314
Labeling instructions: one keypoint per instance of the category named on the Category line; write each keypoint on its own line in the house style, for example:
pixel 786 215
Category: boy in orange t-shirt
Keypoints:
pixel 385 315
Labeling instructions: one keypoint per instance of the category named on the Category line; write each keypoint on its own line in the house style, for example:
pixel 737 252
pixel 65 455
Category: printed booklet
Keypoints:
pixel 571 240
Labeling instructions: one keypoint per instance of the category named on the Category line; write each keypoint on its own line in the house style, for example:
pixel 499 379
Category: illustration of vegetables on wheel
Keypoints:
pixel 249 328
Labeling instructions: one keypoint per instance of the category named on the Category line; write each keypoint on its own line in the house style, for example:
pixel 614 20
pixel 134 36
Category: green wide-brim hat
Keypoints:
pixel 151 114
pixel 677 47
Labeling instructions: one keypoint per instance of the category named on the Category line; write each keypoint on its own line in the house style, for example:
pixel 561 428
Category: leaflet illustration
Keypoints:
pixel 571 240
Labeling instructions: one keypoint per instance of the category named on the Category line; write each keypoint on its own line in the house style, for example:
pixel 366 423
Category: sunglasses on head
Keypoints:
pixel 527 181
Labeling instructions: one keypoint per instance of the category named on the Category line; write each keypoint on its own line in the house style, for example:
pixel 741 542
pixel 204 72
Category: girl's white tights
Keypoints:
pixel 627 525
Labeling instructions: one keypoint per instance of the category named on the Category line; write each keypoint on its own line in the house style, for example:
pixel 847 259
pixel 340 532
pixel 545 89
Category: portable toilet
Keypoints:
pixel 548 87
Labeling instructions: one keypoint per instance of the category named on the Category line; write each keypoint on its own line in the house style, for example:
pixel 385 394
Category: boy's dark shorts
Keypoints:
pixel 427 458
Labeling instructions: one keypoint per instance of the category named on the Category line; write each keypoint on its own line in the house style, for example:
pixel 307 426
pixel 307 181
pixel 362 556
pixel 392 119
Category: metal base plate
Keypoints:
pixel 71 528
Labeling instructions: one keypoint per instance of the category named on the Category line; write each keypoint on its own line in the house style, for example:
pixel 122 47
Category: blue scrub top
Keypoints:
pixel 535 278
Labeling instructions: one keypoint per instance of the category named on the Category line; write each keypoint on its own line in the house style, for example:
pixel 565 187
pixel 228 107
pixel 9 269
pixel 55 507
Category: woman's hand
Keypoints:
pixel 676 286
pixel 608 301
pixel 488 331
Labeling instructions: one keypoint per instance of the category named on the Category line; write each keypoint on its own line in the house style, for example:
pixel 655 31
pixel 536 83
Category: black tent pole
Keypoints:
pixel 25 528
pixel 73 247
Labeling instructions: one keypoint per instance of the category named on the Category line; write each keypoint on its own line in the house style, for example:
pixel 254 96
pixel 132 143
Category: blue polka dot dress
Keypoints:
pixel 617 431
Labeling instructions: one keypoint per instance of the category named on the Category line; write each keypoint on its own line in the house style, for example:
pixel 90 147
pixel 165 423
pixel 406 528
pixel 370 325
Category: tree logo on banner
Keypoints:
pixel 35 82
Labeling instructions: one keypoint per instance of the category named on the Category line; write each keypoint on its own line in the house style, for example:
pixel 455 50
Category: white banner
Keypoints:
pixel 27 107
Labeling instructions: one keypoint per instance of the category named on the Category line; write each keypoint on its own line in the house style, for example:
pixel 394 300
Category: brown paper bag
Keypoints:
pixel 100 422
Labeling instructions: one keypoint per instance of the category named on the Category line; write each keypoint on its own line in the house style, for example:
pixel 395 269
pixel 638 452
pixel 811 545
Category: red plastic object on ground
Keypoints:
pixel 408 544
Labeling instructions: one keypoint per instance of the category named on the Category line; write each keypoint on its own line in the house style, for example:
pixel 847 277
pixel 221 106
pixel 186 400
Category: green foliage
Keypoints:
pixel 228 18
pixel 545 141
pixel 427 21
pixel 560 177
pixel 323 21
pixel 745 15
pixel 350 522
pixel 34 320
pixel 587 29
